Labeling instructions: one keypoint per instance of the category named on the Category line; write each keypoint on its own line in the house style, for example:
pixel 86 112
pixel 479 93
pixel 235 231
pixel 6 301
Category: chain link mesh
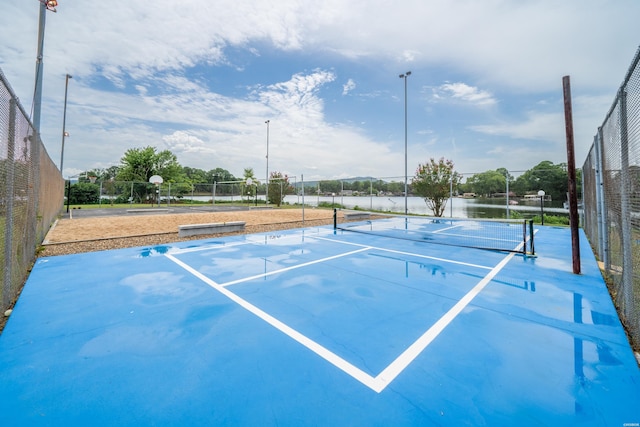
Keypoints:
pixel 31 193
pixel 611 188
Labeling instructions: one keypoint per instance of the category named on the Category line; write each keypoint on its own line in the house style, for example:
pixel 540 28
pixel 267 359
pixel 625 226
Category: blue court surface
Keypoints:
pixel 318 327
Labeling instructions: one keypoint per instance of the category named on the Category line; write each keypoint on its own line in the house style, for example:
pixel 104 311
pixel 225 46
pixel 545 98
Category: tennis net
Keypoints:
pixel 491 234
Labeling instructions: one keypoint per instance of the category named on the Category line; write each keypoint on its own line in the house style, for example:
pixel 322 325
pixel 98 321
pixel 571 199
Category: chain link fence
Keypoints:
pixel 31 196
pixel 611 187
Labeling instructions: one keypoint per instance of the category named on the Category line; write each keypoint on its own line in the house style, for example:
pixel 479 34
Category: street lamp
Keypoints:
pixel 64 120
pixel 45 5
pixel 266 194
pixel 404 77
pixel 541 195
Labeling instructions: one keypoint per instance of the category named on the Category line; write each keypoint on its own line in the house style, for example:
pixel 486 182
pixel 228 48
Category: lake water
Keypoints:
pixel 460 208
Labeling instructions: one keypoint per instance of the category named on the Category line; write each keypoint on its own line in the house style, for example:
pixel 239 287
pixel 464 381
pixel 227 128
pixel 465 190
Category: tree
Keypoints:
pixel 544 176
pixel 487 183
pixel 433 181
pixel 250 181
pixel 140 164
pixel 279 187
pixel 84 193
pixel 219 175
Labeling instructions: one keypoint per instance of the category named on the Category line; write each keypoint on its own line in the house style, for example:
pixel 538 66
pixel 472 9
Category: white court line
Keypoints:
pixel 408 356
pixel 293 267
pixel 445 229
pixel 382 380
pixel 450 261
pixel 321 351
pixel 246 242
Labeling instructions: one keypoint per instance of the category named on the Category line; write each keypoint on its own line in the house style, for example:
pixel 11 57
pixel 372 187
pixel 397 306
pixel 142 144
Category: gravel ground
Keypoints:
pixel 69 236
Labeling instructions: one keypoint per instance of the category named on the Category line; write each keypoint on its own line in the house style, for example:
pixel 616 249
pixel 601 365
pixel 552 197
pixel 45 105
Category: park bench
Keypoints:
pixel 356 215
pixel 212 228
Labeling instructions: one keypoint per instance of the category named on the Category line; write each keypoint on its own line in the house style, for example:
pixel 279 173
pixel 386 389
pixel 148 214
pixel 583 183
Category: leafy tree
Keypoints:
pixel 219 175
pixel 140 164
pixel 248 176
pixel 84 193
pixel 279 187
pixel 433 181
pixel 488 183
pixel 194 175
pixel 544 176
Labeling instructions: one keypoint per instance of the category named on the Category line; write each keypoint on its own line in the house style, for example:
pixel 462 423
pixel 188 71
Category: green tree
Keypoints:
pixel 433 181
pixel 194 175
pixel 545 176
pixel 487 183
pixel 84 193
pixel 219 175
pixel 279 187
pixel 140 164
pixel 250 182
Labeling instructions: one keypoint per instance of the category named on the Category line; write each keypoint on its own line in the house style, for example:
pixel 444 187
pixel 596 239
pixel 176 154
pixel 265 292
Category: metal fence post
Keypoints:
pixel 7 295
pixel 625 211
pixel 601 203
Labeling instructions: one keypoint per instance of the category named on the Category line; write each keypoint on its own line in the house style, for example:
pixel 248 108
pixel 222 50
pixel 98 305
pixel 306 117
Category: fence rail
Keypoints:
pixel 31 196
pixel 611 192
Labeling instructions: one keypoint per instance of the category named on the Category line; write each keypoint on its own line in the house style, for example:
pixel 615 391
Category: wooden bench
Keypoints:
pixel 213 228
pixel 356 215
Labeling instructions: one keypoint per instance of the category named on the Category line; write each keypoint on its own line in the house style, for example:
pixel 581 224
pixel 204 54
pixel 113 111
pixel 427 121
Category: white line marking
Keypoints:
pixel 251 242
pixel 209 247
pixel 321 351
pixel 445 229
pixel 382 380
pixel 450 261
pixel 402 361
pixel 293 267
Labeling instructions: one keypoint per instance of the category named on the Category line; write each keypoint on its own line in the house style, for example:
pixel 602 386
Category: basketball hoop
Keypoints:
pixel 156 179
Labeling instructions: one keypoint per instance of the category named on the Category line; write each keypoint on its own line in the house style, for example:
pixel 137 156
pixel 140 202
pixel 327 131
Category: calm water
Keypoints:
pixel 460 208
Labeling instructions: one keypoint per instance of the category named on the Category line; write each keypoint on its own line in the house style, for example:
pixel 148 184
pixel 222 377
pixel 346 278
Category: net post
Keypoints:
pixel 335 218
pixel 531 234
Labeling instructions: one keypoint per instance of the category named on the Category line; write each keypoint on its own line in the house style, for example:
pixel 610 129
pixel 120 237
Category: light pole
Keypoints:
pixel 266 194
pixel 37 93
pixel 541 195
pixel 64 121
pixel 404 77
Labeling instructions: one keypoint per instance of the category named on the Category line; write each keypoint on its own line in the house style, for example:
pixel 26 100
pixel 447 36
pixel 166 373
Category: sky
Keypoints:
pixel 200 78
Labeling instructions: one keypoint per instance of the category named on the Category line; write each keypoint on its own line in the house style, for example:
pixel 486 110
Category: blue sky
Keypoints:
pixel 200 78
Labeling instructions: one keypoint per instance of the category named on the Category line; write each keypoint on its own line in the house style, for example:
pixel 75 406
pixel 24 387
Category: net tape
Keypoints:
pixel 498 235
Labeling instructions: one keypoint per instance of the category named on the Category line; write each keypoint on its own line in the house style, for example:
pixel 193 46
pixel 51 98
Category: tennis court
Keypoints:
pixel 318 326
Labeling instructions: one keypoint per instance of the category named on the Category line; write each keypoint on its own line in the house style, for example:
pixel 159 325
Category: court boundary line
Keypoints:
pixel 397 366
pixel 247 242
pixel 395 251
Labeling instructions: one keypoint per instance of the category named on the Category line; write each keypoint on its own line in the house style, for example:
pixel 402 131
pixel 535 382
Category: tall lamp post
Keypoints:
pixel 64 121
pixel 45 5
pixel 404 77
pixel 541 195
pixel 266 194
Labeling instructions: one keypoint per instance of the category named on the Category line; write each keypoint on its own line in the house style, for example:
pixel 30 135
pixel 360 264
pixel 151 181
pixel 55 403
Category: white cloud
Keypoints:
pixel 465 93
pixel 348 86
pixel 132 84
